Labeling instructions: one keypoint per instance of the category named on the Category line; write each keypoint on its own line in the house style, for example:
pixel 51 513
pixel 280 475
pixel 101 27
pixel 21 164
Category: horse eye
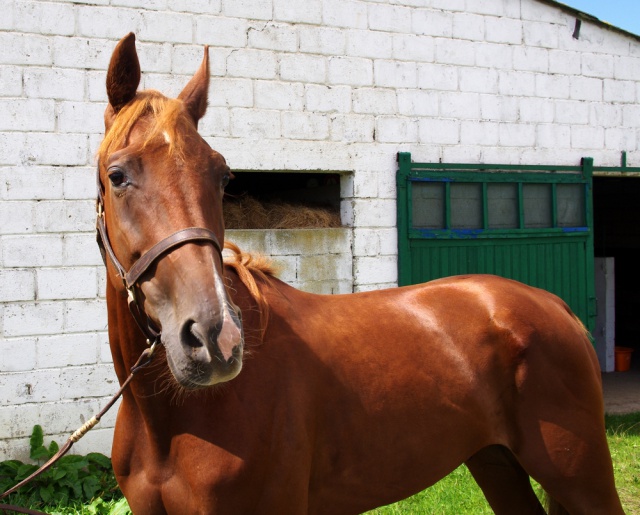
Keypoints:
pixel 225 180
pixel 117 178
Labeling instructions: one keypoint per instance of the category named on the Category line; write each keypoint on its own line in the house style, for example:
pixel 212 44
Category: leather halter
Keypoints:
pixel 131 278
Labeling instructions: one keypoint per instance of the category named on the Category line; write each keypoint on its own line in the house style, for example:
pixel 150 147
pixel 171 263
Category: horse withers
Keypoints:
pixel 268 400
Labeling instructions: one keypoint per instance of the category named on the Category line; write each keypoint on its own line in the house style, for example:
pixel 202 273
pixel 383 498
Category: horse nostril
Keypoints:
pixel 189 335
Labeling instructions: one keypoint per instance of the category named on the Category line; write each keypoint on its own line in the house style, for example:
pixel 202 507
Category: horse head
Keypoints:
pixel 160 194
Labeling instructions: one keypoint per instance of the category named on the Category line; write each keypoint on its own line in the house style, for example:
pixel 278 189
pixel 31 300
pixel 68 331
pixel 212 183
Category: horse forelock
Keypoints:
pixel 168 123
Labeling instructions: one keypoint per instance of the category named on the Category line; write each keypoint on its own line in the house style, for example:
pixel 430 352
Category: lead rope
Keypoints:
pixel 144 359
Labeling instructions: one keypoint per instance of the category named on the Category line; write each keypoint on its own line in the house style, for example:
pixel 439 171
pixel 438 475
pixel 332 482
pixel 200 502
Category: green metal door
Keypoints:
pixel 529 223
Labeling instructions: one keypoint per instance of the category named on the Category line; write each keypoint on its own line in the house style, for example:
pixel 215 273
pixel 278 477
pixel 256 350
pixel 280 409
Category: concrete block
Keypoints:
pixel 322 40
pixel 609 115
pixel 86 382
pixel 65 216
pixel 308 241
pixel 455 51
pixel 372 270
pixel 552 86
pixel 66 283
pixel 25 49
pixel 166 27
pixel 279 95
pixel 502 8
pixel 374 101
pixel 249 9
pixel 418 102
pixel 327 100
pixel 392 74
pixel 250 63
pixel 365 184
pixel 216 122
pixel 540 34
pixel 298 12
pixel 498 108
pixel 81 117
pixel 517 134
pixel 231 92
pixel 82 53
pixel 585 88
pixel 410 47
pixel 31 250
pixel 479 133
pixel 619 91
pixel 344 13
pixel 352 128
pixel 531 59
pixel 108 22
pixel 564 62
pixel 517 83
pixel 27 115
pixel 630 116
pixel 494 55
pixel 430 22
pixel 571 112
pixel 26 319
pixel 620 138
pixel 374 212
pixel 30 387
pixel 439 131
pixel 537 110
pixel 17 355
pixel 303 68
pixel 624 67
pixel 221 32
pixel 16 217
pixel 552 136
pixel 438 77
pixel 85 316
pixel 597 65
pixel 67 350
pixel 10 81
pixel 80 249
pixel 251 123
pixel 391 18
pixel 503 30
pixel 478 80
pixel 79 183
pixel 589 138
pixel 468 26
pixel 56 83
pixel 44 18
pixel 17 285
pixel 354 71
pixel 460 105
pixel 311 126
pixel 273 36
pixel 393 129
pixel 366 43
pixel 150 4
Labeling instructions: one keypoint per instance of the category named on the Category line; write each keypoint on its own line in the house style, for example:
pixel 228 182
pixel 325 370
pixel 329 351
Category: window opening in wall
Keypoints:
pixel 282 200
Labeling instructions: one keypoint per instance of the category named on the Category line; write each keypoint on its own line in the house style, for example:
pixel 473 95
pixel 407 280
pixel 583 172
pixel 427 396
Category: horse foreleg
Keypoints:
pixel 504 482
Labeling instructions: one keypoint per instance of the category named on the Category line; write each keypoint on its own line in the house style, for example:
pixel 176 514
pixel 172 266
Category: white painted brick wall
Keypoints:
pixel 334 85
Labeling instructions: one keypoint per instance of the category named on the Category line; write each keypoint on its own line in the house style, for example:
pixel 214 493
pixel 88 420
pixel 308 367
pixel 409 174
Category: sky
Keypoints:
pixel 624 14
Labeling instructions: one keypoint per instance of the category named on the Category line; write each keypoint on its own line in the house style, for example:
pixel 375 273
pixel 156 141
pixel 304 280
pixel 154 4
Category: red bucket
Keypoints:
pixel 623 358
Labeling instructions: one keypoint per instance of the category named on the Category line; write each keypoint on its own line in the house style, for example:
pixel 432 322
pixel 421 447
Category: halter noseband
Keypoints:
pixel 131 278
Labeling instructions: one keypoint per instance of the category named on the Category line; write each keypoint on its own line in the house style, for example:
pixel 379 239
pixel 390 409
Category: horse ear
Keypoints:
pixel 123 76
pixel 194 94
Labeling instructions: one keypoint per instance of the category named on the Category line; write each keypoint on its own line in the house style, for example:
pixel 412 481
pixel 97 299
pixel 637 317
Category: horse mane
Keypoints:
pixel 249 267
pixel 170 122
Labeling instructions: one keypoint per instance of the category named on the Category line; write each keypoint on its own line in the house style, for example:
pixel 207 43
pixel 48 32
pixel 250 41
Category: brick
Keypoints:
pixel 85 315
pixel 309 126
pixel 429 22
pixel 250 9
pixel 57 83
pixel 17 285
pixel 418 102
pixel 409 47
pixel 272 36
pixel 303 68
pixel 55 149
pixel 540 34
pixel 114 22
pixel 394 74
pixel 351 71
pixel 44 18
pixel 309 11
pixel 352 128
pixel 327 100
pixel 366 43
pixel 221 32
pixel 344 13
pixel 439 131
pixel 437 76
pixel 322 40
pixel 81 117
pixel 374 101
pixel 231 93
pixel 517 135
pixel 392 129
pixel 594 65
pixel 453 51
pixel 468 26
pixel 32 183
pixel 478 80
pixel 517 83
pixel 17 354
pixel 25 49
pixel 571 112
pixel 503 30
pixel 279 95
pixel 590 138
pixel 479 133
pixel 33 319
pixel 460 105
pixel 80 249
pixel 16 217
pixel 10 81
pixel 392 18
pixel 585 88
pixel 250 123
pixel 31 250
pixel 250 63
pixel 619 91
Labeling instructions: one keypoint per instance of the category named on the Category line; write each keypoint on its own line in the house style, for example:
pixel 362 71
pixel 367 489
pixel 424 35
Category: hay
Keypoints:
pixel 247 212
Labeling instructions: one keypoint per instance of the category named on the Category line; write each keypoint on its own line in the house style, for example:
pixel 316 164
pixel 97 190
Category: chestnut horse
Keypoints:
pixel 344 403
